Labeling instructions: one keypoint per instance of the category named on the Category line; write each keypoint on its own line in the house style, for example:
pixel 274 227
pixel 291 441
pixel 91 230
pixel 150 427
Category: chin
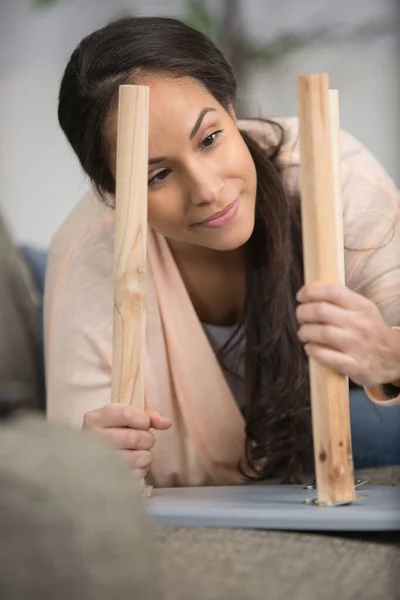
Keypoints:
pixel 228 240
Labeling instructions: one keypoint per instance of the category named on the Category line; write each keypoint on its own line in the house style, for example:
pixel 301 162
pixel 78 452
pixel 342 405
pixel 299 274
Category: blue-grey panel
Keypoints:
pixel 377 508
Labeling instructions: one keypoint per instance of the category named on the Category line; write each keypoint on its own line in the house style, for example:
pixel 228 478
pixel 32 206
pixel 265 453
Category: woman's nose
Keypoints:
pixel 206 188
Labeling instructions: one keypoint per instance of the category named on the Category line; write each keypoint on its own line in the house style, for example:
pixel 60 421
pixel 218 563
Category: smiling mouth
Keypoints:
pixel 221 217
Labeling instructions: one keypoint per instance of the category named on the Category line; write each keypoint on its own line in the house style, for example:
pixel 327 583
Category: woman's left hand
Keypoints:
pixel 346 332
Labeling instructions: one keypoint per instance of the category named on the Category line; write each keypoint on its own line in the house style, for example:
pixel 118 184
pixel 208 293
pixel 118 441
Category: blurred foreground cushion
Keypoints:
pixel 73 524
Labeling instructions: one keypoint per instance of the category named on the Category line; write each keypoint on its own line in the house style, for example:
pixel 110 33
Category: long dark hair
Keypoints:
pixel 278 423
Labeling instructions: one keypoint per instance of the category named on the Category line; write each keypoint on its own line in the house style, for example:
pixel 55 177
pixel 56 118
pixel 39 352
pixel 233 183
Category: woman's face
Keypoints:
pixel 201 177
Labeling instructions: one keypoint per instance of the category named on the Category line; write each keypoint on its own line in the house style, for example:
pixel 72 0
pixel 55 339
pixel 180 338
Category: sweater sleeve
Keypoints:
pixel 371 205
pixel 371 215
pixel 78 327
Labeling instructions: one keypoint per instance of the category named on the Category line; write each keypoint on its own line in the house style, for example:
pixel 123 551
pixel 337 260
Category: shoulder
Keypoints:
pixel 84 239
pixel 272 132
pixel 358 163
pixel 80 263
pixel 89 222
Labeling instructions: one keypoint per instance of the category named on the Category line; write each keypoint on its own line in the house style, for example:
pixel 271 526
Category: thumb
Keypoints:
pixel 157 420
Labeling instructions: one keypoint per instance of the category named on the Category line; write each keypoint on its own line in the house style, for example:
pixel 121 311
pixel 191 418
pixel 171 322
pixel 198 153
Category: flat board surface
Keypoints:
pixel 377 508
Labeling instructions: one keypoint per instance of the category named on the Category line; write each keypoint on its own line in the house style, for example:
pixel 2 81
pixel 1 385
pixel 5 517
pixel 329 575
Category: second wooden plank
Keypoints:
pixel 322 262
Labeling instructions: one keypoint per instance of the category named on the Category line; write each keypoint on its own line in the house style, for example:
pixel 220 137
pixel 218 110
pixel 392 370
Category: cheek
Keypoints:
pixel 251 177
pixel 241 161
pixel 164 212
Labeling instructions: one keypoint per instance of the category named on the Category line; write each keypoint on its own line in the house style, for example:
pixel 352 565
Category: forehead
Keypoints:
pixel 171 100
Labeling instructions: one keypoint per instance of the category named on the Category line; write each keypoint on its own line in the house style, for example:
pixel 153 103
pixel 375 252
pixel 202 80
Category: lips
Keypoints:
pixel 217 215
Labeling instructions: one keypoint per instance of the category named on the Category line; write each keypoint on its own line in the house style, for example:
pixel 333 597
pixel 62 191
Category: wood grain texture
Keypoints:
pixel 337 178
pixel 323 261
pixel 129 335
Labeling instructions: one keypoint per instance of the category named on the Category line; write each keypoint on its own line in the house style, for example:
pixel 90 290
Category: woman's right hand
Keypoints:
pixel 128 429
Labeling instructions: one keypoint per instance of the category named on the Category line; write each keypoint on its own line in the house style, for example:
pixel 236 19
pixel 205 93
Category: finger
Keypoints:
pixel 140 473
pixel 337 361
pixel 125 438
pixel 323 312
pixel 117 415
pixel 325 335
pixel 138 459
pixel 333 293
pixel 157 420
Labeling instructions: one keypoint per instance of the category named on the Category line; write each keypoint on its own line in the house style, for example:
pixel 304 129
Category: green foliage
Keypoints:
pixel 200 17
pixel 284 44
pixel 210 23
pixel 44 3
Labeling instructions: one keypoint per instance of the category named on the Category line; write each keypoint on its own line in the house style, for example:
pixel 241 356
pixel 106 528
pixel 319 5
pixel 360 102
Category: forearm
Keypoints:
pixel 389 389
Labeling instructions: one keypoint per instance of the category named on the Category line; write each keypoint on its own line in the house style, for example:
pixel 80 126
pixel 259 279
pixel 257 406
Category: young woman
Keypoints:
pixel 228 329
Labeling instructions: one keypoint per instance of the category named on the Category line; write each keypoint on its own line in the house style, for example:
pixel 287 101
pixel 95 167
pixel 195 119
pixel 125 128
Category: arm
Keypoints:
pixel 78 335
pixel 355 334
pixel 78 324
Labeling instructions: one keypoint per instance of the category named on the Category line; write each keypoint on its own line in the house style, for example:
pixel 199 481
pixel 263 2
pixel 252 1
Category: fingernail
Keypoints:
pixel 161 416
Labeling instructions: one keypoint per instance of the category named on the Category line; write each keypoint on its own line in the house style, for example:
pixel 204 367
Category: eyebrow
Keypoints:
pixel 200 120
pixel 154 161
pixel 197 125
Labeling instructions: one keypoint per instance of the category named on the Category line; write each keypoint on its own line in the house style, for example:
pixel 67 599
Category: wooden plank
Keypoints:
pixel 320 190
pixel 129 343
pixel 337 177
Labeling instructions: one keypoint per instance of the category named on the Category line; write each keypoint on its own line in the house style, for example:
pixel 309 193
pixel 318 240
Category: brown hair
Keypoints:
pixel 278 423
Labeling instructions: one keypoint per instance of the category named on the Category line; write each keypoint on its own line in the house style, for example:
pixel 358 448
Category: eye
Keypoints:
pixel 210 139
pixel 158 177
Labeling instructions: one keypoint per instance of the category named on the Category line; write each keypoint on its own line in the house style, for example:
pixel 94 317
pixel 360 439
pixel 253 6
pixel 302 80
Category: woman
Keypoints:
pixel 225 265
